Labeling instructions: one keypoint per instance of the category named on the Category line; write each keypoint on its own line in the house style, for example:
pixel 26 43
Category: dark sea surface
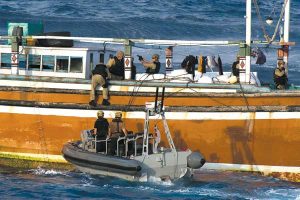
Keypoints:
pixel 153 19
pixel 53 184
pixel 157 19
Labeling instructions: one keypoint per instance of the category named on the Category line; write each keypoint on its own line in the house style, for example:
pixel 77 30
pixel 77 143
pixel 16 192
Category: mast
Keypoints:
pixel 286 32
pixel 248 41
pixel 245 49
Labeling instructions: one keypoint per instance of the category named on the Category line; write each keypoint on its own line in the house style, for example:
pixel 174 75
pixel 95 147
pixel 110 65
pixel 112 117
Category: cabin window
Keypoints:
pixel 5 60
pixel 34 62
pixel 76 64
pixel 62 63
pixel 48 63
pixel 101 58
pixel 91 61
pixel 22 61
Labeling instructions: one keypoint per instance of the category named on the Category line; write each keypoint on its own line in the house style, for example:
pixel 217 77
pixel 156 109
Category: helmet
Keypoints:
pixel 118 114
pixel 100 113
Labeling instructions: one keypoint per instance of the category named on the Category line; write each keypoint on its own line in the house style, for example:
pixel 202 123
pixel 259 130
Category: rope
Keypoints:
pixel 269 40
pixel 261 21
pixel 279 20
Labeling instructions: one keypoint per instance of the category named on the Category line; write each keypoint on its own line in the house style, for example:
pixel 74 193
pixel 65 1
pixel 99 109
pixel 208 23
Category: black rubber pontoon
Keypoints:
pixel 98 161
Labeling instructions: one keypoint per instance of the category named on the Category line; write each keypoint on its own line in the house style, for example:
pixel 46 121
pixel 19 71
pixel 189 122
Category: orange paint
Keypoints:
pixel 256 142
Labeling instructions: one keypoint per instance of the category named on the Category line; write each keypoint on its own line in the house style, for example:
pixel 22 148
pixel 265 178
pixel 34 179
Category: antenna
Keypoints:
pixel 162 99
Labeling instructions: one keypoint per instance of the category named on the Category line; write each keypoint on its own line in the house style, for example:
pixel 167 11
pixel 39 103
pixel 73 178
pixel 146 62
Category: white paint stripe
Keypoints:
pixel 141 115
pixel 210 166
pixel 252 168
pixel 77 86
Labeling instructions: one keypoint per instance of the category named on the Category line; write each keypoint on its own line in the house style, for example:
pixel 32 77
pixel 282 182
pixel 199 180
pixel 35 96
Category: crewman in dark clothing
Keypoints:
pixel 235 68
pixel 99 77
pixel 280 77
pixel 102 131
pixel 153 66
pixel 116 66
pixel 234 78
pixel 117 129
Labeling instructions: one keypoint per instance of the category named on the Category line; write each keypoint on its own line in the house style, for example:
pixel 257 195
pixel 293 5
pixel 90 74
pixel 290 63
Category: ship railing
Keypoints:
pixel 135 139
pixel 102 141
pixel 118 142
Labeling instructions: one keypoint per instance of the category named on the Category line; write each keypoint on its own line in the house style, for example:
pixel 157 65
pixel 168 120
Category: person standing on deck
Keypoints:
pixel 153 66
pixel 99 77
pixel 102 130
pixel 280 77
pixel 117 129
pixel 116 66
pixel 234 78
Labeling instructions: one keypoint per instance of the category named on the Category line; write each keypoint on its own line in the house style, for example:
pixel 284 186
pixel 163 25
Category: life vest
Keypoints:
pixel 101 70
pixel 118 67
pixel 154 71
pixel 280 80
pixel 116 126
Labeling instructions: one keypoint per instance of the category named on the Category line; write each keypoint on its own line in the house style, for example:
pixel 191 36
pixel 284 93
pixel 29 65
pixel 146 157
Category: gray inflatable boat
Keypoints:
pixel 139 159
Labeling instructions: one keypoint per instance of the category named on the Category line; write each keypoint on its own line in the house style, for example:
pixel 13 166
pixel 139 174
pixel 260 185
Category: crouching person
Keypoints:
pixel 99 77
pixel 280 77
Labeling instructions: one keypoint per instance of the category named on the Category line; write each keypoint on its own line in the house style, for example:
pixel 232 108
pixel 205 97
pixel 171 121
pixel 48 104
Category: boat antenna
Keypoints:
pixel 156 96
pixel 162 99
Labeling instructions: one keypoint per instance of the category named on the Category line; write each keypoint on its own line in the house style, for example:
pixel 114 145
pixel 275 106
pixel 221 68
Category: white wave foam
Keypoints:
pixel 158 181
pixel 53 172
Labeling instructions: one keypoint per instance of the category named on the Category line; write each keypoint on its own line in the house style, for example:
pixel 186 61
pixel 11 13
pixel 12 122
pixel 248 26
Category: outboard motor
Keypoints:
pixel 195 160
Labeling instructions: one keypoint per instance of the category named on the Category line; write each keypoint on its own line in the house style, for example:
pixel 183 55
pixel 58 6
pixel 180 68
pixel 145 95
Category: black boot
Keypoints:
pixel 105 102
pixel 93 103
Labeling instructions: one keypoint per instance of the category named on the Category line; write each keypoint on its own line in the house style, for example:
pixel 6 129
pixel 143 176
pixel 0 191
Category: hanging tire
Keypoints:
pixel 55 42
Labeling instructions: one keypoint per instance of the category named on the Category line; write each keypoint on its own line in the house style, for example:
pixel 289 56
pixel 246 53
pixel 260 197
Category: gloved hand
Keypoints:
pixel 140 57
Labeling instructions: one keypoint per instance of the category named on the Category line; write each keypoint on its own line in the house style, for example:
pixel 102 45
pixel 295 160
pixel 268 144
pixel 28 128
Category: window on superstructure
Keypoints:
pixel 22 61
pixel 76 64
pixel 34 62
pixel 91 61
pixel 5 60
pixel 48 63
pixel 62 63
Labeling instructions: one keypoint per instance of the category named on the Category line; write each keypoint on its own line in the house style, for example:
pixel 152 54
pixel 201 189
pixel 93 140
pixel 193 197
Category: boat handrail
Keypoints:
pixel 153 41
pixel 99 141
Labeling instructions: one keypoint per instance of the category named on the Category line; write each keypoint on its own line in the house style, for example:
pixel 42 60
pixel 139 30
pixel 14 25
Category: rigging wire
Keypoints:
pixel 261 21
pixel 267 37
pixel 279 20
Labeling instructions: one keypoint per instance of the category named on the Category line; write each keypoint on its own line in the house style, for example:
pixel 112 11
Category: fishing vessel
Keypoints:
pixel 44 95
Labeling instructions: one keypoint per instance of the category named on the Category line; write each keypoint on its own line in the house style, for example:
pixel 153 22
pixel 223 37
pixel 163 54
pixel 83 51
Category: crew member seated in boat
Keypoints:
pixel 116 66
pixel 117 129
pixel 280 77
pixel 99 77
pixel 234 78
pixel 153 66
pixel 101 127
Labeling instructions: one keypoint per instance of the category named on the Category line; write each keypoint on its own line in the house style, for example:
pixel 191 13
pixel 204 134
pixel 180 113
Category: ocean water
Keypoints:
pixel 53 184
pixel 153 19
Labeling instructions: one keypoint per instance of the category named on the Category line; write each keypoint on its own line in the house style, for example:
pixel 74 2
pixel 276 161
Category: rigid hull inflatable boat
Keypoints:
pixel 140 158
